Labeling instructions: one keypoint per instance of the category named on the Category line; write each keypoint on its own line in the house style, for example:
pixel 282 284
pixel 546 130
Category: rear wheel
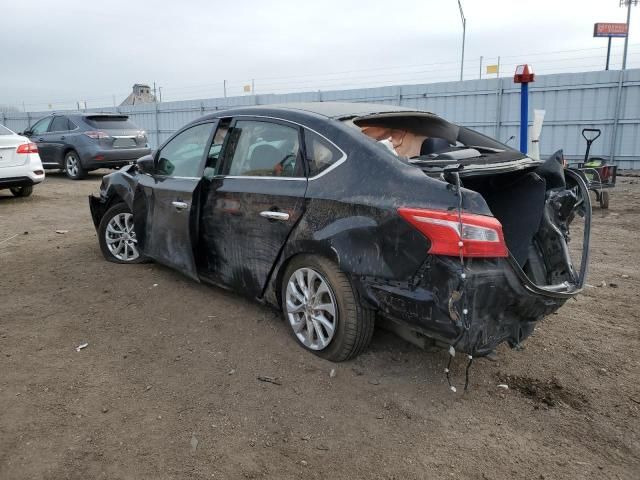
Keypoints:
pixel 22 191
pixel 604 199
pixel 73 167
pixel 323 311
pixel 117 237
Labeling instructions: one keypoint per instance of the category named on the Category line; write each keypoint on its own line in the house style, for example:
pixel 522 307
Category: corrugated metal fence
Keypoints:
pixel 609 100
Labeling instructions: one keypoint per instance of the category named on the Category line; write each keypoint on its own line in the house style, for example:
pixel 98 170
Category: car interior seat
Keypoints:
pixel 265 158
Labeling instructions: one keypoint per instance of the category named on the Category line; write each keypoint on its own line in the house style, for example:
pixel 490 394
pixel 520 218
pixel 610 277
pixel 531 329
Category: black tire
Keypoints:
pixel 73 166
pixel 22 191
pixel 354 323
pixel 604 200
pixel 117 209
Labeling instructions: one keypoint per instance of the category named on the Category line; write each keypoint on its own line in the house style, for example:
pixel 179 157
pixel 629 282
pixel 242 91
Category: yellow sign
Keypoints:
pixel 247 88
pixel 492 69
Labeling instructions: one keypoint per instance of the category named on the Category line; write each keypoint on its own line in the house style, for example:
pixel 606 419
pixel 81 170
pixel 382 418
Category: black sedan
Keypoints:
pixel 345 214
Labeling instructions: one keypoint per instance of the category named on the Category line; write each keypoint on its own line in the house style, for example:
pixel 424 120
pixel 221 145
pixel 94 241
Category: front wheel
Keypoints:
pixel 73 167
pixel 117 237
pixel 323 311
pixel 22 191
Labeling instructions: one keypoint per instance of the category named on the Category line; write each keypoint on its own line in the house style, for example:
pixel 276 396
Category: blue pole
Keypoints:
pixel 524 116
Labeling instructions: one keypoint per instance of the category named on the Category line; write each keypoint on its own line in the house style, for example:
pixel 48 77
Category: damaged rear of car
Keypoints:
pixel 499 254
pixel 345 215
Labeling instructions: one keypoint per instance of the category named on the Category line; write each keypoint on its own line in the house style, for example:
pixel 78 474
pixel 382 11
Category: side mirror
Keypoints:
pixel 146 164
pixel 26 133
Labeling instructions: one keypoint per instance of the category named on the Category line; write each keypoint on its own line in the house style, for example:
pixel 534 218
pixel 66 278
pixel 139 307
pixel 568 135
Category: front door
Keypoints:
pixel 252 204
pixel 40 137
pixel 166 205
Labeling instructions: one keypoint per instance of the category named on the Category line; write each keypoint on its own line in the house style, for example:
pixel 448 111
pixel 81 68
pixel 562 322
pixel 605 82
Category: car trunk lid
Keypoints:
pixel 121 132
pixel 8 155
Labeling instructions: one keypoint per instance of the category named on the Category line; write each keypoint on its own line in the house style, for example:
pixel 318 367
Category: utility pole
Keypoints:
pixel 224 87
pixel 155 99
pixel 253 86
pixel 464 32
pixel 481 58
pixel 160 92
pixel 626 39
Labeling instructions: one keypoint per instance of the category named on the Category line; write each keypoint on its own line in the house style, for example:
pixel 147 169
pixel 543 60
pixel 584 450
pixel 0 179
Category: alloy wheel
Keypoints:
pixel 121 239
pixel 311 308
pixel 72 165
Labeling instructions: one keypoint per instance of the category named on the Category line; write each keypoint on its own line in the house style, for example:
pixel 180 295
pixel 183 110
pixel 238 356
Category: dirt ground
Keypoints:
pixel 168 386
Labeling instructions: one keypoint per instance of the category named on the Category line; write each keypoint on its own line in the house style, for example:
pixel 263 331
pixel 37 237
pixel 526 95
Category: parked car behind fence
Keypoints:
pixel 81 142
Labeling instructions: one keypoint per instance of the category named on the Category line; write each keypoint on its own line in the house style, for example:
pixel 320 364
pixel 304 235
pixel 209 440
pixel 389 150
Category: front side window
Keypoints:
pixel 59 124
pixel 41 126
pixel 320 153
pixel 182 156
pixel 263 149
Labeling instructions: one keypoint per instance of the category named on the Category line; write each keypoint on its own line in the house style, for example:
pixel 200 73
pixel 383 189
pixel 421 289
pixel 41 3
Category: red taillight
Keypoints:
pixel 481 236
pixel 96 134
pixel 27 148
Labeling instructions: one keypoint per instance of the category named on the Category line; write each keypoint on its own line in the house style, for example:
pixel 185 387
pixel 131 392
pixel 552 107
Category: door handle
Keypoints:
pixel 62 137
pixel 41 139
pixel 180 205
pixel 271 215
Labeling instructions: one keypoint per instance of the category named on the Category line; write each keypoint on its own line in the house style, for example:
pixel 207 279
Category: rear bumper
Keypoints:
pixel 109 158
pixel 19 177
pixel 499 306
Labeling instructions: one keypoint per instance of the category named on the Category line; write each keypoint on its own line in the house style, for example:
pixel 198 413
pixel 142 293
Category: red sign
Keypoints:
pixel 610 30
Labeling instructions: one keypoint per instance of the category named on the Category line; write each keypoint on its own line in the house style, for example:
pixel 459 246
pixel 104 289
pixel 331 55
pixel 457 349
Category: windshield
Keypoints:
pixel 5 131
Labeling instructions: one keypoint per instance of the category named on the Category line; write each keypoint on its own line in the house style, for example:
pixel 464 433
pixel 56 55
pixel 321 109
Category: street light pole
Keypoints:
pixel 464 32
pixel 626 39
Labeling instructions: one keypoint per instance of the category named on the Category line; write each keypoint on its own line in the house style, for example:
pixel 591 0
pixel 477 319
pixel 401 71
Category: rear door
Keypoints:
pixel 165 205
pixel 253 202
pixel 57 137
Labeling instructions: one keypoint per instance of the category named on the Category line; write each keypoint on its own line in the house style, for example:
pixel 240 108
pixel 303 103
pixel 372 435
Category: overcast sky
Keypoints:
pixel 68 50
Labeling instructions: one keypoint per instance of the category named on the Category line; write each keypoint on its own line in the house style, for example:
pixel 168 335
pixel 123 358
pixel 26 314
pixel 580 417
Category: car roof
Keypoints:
pixel 89 114
pixel 340 109
pixel 335 110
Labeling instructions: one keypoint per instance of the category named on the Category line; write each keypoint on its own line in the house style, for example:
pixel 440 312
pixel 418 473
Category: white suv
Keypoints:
pixel 20 165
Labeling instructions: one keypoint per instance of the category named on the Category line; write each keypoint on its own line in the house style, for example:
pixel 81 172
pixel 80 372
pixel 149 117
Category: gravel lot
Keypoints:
pixel 168 386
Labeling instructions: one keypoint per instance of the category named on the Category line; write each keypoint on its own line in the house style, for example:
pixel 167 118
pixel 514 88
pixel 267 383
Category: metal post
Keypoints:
pixel 253 86
pixel 498 109
pixel 524 116
pixel 464 33
pixel 616 117
pixel 626 39
pixel 224 87
pixel 498 74
pixel 157 126
pixel 608 53
pixel 160 92
pixel 481 67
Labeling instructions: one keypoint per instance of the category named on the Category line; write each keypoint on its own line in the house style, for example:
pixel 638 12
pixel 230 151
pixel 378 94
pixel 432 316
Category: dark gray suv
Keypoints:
pixel 79 143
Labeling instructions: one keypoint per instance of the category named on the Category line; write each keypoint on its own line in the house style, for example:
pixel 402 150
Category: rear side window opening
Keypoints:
pixel 111 123
pixel 320 153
